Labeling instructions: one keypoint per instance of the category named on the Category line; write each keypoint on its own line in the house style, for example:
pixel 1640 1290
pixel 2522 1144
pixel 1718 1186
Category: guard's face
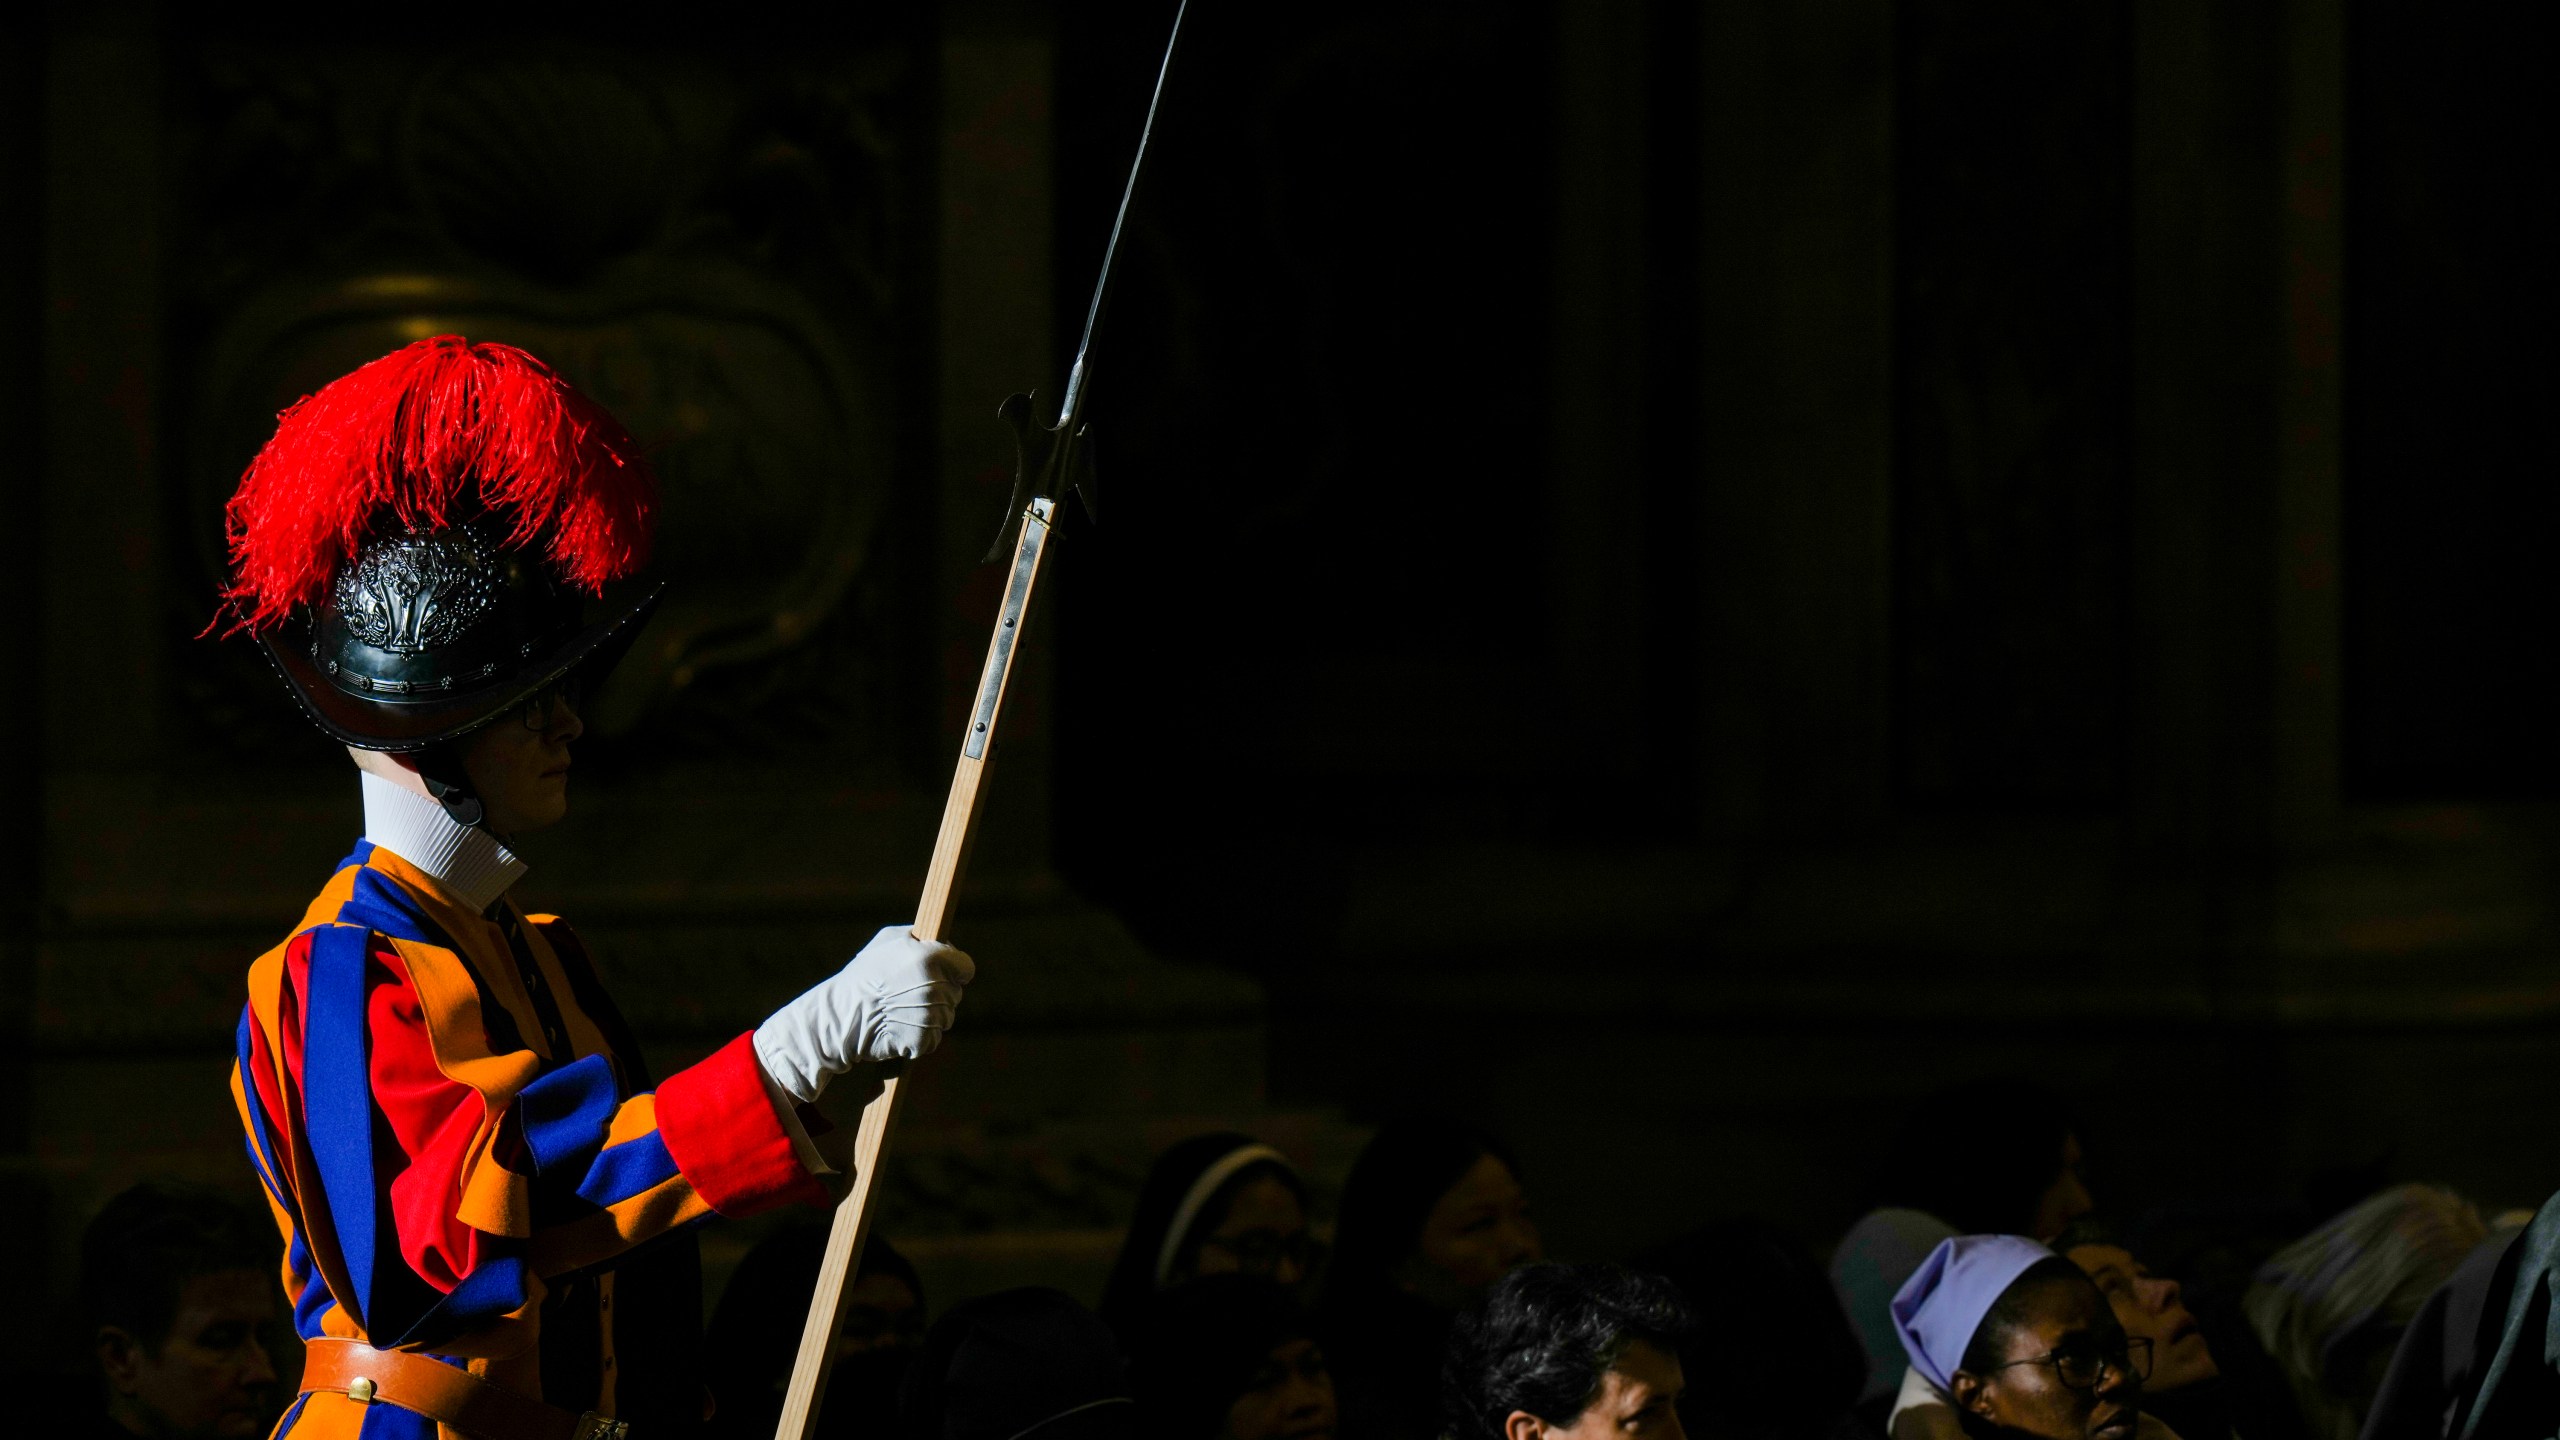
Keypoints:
pixel 519 764
pixel 211 1378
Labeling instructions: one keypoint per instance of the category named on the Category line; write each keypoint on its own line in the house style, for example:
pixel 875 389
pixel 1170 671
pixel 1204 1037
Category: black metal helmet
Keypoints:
pixel 416 546
pixel 427 636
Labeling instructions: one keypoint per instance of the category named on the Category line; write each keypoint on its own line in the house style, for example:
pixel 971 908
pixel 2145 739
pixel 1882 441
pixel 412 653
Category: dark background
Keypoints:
pixel 1671 576
pixel 1701 569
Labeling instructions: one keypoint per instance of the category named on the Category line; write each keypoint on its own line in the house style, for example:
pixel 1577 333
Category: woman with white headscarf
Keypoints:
pixel 1212 1205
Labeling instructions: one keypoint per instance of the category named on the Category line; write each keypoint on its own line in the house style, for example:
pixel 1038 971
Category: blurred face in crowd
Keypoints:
pixel 2067 1373
pixel 2149 1306
pixel 1638 1399
pixel 1478 1232
pixel 210 1378
pixel 2067 1198
pixel 1263 1232
pixel 881 1313
pixel 1290 1397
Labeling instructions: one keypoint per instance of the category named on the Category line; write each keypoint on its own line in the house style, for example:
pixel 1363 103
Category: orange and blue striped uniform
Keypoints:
pixel 466 1158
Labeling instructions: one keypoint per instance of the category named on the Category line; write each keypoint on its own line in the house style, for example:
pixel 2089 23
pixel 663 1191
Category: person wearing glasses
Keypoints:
pixel 2019 1342
pixel 1218 1204
pixel 485 1200
pixel 2204 1389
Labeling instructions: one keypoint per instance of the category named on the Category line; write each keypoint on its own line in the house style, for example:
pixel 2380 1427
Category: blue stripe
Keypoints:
pixel 566 1114
pixel 378 903
pixel 262 1140
pixel 292 1413
pixel 337 1099
pixel 627 1170
pixel 494 1287
pixel 255 1144
pixel 311 1305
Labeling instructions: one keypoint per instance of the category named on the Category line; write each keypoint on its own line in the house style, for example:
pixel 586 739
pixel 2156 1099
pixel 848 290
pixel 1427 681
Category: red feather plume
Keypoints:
pixel 432 434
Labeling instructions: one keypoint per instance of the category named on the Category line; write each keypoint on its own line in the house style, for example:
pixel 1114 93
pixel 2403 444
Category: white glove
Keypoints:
pixel 891 1002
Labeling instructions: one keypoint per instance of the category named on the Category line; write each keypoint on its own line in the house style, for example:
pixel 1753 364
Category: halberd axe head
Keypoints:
pixel 1046 461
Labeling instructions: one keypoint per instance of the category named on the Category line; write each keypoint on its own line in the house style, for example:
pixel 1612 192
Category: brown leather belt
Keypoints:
pixel 444 1394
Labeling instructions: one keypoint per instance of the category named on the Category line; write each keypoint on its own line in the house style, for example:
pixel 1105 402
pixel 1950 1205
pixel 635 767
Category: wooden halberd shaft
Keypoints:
pixel 852 1226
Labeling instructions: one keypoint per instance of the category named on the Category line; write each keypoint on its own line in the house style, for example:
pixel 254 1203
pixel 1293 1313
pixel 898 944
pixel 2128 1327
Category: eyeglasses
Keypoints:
pixel 537 708
pixel 2082 1366
pixel 1261 1252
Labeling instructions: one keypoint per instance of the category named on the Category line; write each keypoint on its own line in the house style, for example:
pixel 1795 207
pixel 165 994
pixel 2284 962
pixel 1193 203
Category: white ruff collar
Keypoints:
pixel 469 862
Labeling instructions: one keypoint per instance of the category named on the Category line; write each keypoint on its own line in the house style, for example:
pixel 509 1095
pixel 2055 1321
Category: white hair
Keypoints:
pixel 2363 1274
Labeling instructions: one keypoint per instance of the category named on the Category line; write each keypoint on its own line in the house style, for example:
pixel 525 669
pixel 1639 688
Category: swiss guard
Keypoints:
pixel 485 1200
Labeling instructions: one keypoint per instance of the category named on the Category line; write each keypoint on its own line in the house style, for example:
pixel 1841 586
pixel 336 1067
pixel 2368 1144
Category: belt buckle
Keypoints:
pixel 592 1426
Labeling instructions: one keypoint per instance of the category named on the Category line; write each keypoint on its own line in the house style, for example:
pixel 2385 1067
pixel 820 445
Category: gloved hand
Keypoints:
pixel 891 1002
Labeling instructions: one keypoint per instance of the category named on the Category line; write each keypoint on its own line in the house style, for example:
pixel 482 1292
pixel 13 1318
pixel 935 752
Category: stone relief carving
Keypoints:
pixel 713 250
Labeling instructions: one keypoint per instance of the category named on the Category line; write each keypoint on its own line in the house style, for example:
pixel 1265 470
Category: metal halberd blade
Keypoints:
pixel 1057 459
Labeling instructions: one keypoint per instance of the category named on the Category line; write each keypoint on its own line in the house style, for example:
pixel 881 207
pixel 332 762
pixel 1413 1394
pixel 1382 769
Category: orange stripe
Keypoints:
pixel 658 1209
pixel 607 1233
pixel 494 1200
pixel 257 1153
pixel 584 1034
pixel 324 906
pixel 637 1117
pixel 455 1027
pixel 266 1005
pixel 479 939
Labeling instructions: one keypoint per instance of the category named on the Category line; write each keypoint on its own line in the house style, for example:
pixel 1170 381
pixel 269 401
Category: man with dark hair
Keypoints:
pixel 180 1287
pixel 1567 1352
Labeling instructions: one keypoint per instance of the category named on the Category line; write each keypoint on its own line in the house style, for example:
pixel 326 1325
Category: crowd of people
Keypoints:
pixel 1984 1293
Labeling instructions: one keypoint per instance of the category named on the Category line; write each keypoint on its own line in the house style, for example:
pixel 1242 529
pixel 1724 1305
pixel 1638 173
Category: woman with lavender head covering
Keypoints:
pixel 2022 1179
pixel 2023 1344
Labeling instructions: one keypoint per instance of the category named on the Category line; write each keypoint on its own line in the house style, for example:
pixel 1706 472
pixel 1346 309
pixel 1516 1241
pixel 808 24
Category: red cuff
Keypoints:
pixel 723 1135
